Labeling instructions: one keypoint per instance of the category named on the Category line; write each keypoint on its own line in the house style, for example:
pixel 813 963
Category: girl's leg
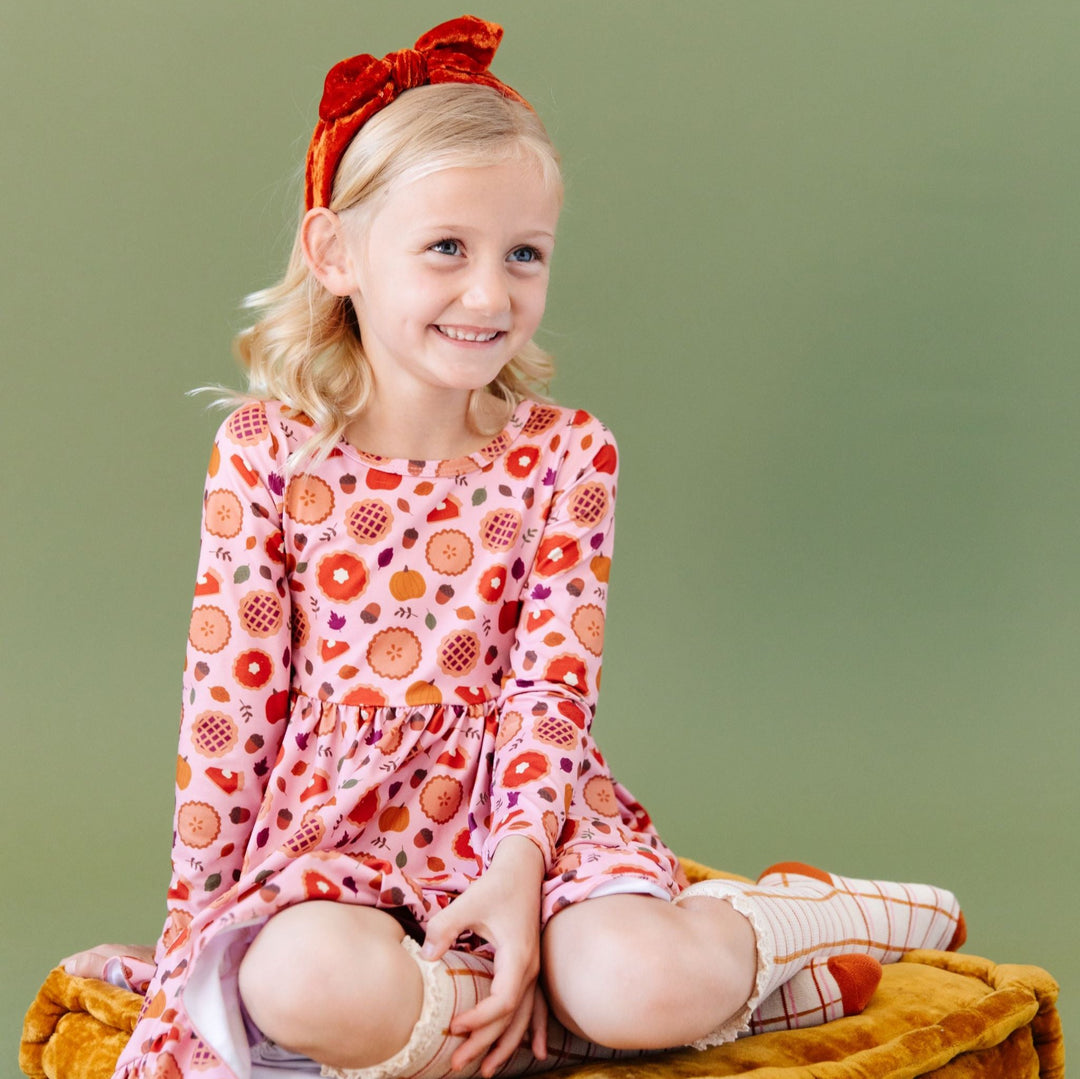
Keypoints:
pixel 331 981
pixel 631 971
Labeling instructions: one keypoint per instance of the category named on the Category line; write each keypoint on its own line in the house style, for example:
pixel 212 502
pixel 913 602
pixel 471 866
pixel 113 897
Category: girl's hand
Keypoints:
pixel 91 963
pixel 502 906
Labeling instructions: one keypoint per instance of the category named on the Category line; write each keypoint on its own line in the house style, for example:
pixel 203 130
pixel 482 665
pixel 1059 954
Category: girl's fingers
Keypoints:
pixel 511 1039
pixel 539 1025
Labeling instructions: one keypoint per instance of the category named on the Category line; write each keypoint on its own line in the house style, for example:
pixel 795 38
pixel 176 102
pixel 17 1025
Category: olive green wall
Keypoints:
pixel 818 270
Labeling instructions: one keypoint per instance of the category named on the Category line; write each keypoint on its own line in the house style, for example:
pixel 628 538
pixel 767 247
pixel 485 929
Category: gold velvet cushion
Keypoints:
pixel 943 1014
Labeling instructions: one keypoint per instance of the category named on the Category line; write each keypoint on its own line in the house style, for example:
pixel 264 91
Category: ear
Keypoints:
pixel 323 243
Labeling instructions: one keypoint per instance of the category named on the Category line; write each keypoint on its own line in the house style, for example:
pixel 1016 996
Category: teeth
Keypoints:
pixel 463 335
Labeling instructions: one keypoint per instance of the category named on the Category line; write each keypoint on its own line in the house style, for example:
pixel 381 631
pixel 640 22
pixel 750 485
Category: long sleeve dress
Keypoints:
pixel 391 666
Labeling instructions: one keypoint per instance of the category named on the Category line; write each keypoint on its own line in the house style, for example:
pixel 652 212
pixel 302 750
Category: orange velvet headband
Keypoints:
pixel 456 51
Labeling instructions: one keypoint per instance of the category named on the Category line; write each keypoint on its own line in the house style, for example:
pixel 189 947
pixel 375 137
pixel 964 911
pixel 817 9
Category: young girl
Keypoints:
pixel 391 817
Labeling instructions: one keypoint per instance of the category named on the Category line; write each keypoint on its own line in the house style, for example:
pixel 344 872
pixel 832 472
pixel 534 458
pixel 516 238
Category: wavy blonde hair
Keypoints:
pixel 305 350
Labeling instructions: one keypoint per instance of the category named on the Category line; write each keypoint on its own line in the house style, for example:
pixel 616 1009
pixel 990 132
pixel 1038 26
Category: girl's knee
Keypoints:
pixel 317 970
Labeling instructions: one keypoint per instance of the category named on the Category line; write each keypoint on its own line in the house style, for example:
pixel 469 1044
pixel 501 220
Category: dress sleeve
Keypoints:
pixel 548 699
pixel 236 676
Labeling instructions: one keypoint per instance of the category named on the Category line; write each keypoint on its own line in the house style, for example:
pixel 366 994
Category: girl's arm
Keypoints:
pixel 236 677
pixel 548 699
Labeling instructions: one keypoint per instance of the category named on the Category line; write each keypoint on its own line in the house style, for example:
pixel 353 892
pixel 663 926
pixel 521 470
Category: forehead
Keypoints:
pixel 515 192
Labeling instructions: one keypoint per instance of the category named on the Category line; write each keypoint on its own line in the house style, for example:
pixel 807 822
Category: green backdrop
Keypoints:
pixel 818 271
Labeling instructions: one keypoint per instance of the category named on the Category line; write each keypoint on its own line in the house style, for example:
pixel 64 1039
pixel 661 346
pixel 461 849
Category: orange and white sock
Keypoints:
pixel 824 989
pixel 800 914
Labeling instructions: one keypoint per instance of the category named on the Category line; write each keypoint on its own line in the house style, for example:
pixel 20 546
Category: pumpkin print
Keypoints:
pixel 197 824
pixel 557 554
pixel 210 629
pixel 248 425
pixel 368 521
pixel 407 585
pixel 420 693
pixel 525 768
pixel 260 613
pixel 341 576
pixel 588 626
pixel 394 653
pixel 224 514
pixel 450 552
pixel 440 798
pixel 499 530
pixel 459 652
pixel 308 500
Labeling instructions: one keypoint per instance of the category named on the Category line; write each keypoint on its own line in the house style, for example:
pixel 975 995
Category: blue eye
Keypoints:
pixel 446 247
pixel 526 254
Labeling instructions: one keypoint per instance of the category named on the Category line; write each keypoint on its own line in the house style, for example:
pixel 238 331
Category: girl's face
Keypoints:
pixel 450 274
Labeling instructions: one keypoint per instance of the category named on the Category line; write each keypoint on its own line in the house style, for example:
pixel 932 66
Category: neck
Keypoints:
pixel 416 428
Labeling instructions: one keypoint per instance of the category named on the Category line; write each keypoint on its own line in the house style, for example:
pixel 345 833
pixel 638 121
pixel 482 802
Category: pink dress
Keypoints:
pixel 391 666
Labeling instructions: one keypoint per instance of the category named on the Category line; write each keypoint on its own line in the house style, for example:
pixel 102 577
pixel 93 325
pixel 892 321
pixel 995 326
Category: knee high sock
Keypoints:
pixel 800 914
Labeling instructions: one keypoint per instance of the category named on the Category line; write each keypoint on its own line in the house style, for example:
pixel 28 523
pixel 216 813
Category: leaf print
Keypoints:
pixel 242 574
pixel 479 496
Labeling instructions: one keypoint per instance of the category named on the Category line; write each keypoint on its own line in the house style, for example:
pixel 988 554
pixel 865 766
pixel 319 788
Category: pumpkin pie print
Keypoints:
pixel 449 552
pixel 213 734
pixel 570 670
pixel 499 529
pixel 248 425
pixel 394 653
pixel 556 554
pixel 556 731
pixel 440 798
pixel 210 629
pixel 253 668
pixel 458 652
pixel 309 500
pixel 260 613
pixel 526 768
pixel 492 584
pixel 341 576
pixel 588 504
pixel 600 796
pixel 521 460
pixel 223 513
pixel 198 824
pixel 307 837
pixel 509 725
pixel 540 420
pixel 368 521
pixel 588 626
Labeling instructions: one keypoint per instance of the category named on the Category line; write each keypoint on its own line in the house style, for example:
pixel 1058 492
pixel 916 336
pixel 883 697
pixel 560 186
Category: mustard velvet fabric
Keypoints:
pixel 939 1014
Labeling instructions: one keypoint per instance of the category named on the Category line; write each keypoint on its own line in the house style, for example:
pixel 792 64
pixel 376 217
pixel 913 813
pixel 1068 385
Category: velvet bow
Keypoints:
pixel 460 50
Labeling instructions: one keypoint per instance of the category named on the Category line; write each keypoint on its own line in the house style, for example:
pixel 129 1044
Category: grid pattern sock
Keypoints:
pixel 824 989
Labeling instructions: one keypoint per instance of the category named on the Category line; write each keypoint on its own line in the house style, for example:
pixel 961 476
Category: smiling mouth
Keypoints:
pixel 480 336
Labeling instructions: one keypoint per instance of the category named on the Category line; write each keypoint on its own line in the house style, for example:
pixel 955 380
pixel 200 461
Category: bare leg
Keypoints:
pixel 331 981
pixel 635 972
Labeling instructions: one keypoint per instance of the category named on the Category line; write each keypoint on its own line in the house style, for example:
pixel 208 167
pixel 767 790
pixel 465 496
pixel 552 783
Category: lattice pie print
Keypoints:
pixel 260 613
pixel 459 652
pixel 499 529
pixel 213 734
pixel 248 425
pixel 368 521
pixel 588 504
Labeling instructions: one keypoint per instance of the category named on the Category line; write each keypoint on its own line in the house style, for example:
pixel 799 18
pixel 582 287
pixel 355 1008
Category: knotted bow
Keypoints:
pixel 460 50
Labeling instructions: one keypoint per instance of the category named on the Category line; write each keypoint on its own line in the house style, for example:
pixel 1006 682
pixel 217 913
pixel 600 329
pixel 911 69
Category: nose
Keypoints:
pixel 487 291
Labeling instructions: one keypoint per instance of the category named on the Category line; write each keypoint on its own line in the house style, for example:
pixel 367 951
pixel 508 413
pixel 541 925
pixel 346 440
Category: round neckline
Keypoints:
pixel 452 466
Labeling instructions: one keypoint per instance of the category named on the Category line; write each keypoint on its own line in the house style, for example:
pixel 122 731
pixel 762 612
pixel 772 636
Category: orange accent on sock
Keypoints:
pixel 959 936
pixel 798 869
pixel 857 976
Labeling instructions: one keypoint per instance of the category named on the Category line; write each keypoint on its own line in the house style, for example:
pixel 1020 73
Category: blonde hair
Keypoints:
pixel 306 350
